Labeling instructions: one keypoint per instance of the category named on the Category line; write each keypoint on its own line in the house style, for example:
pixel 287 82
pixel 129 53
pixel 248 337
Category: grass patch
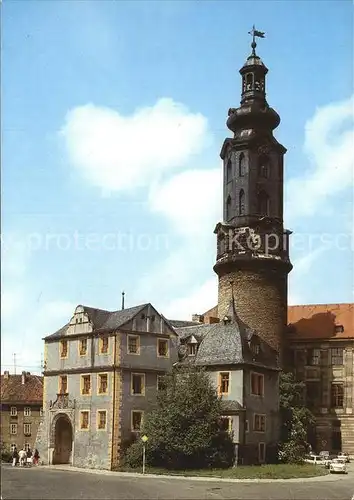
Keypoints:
pixel 278 471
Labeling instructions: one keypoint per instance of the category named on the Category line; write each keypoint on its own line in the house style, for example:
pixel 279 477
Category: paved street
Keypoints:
pixel 45 483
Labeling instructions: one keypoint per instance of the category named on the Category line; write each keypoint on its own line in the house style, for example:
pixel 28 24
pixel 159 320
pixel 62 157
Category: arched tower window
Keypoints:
pixel 228 171
pixel 242 165
pixel 241 203
pixel 263 203
pixel 263 167
pixel 249 81
pixel 228 208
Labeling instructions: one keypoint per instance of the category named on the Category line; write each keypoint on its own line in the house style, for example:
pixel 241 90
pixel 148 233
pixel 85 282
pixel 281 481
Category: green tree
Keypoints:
pixel 295 418
pixel 184 428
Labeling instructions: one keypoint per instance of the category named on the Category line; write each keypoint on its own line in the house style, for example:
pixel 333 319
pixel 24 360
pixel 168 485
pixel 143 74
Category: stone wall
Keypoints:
pixel 261 301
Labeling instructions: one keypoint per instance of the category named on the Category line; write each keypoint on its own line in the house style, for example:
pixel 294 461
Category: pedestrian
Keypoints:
pixel 14 457
pixel 23 457
pixel 29 457
pixel 35 457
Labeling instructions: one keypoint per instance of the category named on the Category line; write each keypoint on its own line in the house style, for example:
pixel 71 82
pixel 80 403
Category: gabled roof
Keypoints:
pixel 103 320
pixel 13 391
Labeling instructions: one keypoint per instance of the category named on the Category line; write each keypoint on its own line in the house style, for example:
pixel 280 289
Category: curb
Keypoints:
pixel 328 477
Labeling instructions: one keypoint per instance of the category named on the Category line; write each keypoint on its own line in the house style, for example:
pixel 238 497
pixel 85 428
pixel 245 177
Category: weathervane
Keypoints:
pixel 255 33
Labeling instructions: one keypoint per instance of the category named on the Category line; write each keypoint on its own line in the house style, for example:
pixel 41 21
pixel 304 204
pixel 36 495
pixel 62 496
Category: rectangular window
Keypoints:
pixel 133 344
pixel 337 395
pixel 84 419
pixel 27 411
pixel 85 384
pixel 138 384
pixel 102 419
pixel 162 348
pixel 313 394
pixel 257 384
pixel 102 383
pixel 160 382
pixel 83 347
pixel 224 382
pixel 226 424
pixel 27 429
pixel 13 429
pixel 337 356
pixel 259 423
pixel 103 345
pixel 246 426
pixel 137 420
pixel 63 384
pixel 313 357
pixel 261 452
pixel 13 411
pixel 63 348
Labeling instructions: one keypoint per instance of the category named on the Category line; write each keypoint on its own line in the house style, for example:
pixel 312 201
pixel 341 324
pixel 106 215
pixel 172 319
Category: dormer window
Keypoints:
pixel 226 320
pixel 255 347
pixel 339 329
pixel 192 349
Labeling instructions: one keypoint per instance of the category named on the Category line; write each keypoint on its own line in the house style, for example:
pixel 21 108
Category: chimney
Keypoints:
pixel 6 374
pixel 23 378
pixel 198 318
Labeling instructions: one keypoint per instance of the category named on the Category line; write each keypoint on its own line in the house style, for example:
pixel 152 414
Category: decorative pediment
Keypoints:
pixel 62 402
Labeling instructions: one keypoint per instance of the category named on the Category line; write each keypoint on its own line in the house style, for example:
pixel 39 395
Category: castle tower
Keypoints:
pixel 252 244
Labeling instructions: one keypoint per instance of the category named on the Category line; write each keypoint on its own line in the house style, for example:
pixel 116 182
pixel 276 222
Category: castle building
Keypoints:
pixel 21 409
pixel 101 375
pixel 319 349
pixel 242 347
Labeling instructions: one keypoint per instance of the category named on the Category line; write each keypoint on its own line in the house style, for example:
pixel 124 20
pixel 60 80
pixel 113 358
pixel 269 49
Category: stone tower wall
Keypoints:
pixel 261 301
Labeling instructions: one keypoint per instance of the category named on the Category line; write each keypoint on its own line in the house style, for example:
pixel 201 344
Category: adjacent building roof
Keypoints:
pixel 315 321
pixel 321 321
pixel 25 388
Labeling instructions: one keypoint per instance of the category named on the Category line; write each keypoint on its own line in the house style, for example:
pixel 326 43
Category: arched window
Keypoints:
pixel 241 203
pixel 229 171
pixel 263 167
pixel 263 203
pixel 242 165
pixel 228 208
pixel 249 81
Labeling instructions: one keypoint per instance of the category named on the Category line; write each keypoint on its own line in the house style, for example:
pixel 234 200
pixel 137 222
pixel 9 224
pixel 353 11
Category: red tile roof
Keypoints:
pixel 319 321
pixel 315 321
pixel 12 389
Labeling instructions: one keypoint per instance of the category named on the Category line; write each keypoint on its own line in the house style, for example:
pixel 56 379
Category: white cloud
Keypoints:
pixel 197 301
pixel 329 145
pixel 116 152
pixel 191 201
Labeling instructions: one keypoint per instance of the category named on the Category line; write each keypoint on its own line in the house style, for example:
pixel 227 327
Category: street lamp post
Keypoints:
pixel 144 440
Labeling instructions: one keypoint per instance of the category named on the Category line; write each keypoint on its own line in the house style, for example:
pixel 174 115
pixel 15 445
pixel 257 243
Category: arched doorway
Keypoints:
pixel 63 440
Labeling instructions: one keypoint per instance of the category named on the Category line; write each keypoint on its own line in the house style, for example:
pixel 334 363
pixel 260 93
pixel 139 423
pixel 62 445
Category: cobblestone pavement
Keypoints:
pixel 54 484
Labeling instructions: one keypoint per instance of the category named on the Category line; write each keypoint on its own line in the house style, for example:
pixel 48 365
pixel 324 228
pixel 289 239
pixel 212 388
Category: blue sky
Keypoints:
pixel 113 117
